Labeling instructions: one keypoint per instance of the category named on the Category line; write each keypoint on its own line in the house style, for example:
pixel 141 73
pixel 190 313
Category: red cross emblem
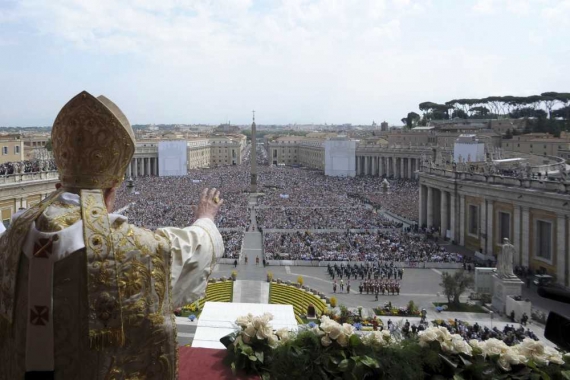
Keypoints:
pixel 39 315
pixel 42 248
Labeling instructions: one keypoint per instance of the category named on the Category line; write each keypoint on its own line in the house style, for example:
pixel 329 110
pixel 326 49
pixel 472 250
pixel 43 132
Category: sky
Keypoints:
pixel 292 61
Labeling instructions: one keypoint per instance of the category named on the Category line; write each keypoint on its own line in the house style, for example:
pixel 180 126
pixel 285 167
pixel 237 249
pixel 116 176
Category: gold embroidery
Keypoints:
pixel 105 322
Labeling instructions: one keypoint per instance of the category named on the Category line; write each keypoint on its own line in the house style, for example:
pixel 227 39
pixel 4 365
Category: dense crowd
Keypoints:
pixel 232 243
pixel 390 246
pixel 167 201
pixel 293 198
pixel 322 218
pixel 511 335
pixel 34 166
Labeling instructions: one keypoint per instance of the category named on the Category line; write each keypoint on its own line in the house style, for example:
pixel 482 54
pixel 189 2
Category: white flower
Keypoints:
pixel 494 347
pixel 342 340
pixel 244 320
pixel 509 357
pixel 283 334
pixel 347 329
pixel 460 346
pixel 273 341
pixel 534 350
pixel 426 336
pixel 476 344
pixel 325 341
pixel 553 355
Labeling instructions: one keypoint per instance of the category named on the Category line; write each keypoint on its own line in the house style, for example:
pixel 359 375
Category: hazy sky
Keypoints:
pixel 293 61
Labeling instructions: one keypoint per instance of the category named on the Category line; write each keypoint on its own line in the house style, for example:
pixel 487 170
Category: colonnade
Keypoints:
pixel 438 210
pixel 389 166
pixel 142 166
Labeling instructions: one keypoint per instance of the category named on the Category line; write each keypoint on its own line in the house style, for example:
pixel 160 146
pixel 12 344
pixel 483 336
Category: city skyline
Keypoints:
pixel 297 62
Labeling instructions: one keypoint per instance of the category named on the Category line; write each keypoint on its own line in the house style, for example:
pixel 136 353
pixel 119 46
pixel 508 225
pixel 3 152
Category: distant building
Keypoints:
pixel 11 148
pixel 384 126
pixel 540 143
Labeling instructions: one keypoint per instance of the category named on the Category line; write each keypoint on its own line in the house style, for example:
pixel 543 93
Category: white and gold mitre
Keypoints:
pixel 93 143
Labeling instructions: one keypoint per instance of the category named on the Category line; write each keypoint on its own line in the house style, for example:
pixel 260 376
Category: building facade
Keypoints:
pixel 478 211
pixel 11 148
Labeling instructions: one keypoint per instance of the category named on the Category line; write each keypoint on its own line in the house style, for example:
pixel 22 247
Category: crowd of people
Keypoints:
pixel 385 245
pixel 292 198
pixel 32 166
pixel 511 335
pixel 322 218
pixel 232 243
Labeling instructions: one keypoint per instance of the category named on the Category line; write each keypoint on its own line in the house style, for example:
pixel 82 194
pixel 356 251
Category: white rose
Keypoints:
pixel 504 364
pixel 283 334
pixel 273 341
pixel 335 331
pixel 460 346
pixel 325 341
pixel 513 357
pixel 553 355
pixel 342 340
pixel 494 347
pixel 347 329
pixel 244 320
pixel 248 333
pixel 264 332
pixel 476 344
pixel 427 336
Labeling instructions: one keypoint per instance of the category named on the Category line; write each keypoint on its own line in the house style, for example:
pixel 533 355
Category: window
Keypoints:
pixel 17 149
pixel 473 219
pixel 504 226
pixel 4 150
pixel 544 240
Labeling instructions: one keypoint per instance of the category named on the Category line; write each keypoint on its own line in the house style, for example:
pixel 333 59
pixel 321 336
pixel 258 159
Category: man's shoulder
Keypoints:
pixel 142 237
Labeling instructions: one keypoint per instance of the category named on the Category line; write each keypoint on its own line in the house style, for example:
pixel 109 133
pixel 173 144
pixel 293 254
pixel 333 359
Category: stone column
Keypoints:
pixel 402 172
pixel 136 174
pixel 148 166
pixel 410 176
pixel 490 234
pixel 357 165
pixel 394 167
pixel 374 165
pixel 429 206
pixel 422 213
pixel 444 208
pixel 525 241
pixel 517 235
pixel 366 165
pixel 462 219
pixel 128 173
pixel 453 219
pixel 561 250
pixel 156 166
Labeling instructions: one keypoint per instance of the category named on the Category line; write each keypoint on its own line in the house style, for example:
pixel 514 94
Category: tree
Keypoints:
pixel 49 145
pixel 412 120
pixel 454 285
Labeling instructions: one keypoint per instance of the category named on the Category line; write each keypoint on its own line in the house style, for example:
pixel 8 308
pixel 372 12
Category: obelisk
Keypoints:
pixel 253 156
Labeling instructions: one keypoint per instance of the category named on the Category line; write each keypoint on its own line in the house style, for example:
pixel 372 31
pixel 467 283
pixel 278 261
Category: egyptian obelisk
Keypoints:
pixel 253 156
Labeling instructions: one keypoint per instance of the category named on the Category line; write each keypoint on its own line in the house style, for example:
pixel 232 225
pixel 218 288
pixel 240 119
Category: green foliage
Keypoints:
pixel 49 145
pixel 454 285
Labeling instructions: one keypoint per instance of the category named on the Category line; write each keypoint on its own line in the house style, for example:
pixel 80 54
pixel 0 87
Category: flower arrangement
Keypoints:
pixel 300 280
pixel 269 276
pixel 332 350
pixel 333 301
pixel 234 275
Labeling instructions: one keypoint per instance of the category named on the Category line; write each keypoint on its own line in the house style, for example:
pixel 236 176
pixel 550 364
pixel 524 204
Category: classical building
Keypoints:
pixel 539 143
pixel 11 148
pixel 479 210
pixel 203 152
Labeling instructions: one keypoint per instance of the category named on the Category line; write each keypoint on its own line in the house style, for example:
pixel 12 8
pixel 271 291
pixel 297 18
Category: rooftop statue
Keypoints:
pixel 85 294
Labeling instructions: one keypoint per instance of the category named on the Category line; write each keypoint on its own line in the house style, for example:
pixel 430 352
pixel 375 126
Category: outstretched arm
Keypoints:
pixel 194 250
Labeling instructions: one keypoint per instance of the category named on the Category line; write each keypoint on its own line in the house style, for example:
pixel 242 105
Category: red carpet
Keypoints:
pixel 205 364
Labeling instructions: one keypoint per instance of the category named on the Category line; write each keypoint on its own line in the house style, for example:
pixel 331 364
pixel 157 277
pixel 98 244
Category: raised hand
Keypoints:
pixel 209 205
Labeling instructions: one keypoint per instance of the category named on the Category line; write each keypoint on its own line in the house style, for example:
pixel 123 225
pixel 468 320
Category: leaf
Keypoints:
pixel 252 358
pixel 458 377
pixel 259 356
pixel 466 362
pixel 354 340
pixel 448 361
pixel 343 365
pixel 370 362
pixel 565 374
